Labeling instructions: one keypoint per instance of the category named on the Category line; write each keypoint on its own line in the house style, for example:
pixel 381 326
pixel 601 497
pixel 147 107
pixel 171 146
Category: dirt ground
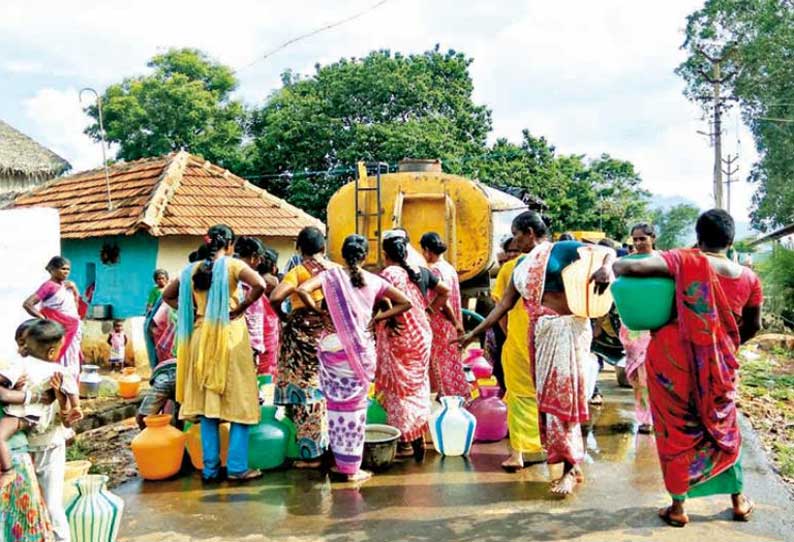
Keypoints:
pixel 108 449
pixel 767 400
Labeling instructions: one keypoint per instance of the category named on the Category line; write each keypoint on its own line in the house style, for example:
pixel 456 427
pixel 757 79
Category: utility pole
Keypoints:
pixel 716 79
pixel 729 171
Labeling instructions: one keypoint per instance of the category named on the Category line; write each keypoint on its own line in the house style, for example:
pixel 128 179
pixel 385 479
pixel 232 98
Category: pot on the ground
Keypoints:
pixel 380 446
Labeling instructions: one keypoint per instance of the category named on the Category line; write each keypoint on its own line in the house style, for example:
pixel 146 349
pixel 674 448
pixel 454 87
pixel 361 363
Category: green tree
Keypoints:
pixel 756 40
pixel 674 225
pixel 382 107
pixel 184 104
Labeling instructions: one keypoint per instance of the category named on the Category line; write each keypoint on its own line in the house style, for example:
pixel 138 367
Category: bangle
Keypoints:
pixel 28 397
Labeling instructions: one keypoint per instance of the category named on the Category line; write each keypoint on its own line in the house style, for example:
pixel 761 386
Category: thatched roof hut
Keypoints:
pixel 24 163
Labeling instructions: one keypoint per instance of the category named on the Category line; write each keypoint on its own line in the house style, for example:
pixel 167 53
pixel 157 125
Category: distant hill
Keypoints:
pixel 743 228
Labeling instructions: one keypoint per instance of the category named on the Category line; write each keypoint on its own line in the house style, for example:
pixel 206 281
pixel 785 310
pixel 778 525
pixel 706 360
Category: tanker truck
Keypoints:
pixel 470 217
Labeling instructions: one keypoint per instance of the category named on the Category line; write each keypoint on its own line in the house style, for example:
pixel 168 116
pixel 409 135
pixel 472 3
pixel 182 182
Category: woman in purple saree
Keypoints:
pixel 347 357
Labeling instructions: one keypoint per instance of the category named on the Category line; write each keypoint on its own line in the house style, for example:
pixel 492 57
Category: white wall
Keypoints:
pixel 30 237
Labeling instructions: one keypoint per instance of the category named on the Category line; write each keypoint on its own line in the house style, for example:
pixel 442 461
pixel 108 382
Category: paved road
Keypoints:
pixel 452 499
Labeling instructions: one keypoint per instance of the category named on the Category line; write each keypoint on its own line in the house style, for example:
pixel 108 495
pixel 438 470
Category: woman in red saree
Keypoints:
pixel 446 365
pixel 57 300
pixel 403 349
pixel 692 367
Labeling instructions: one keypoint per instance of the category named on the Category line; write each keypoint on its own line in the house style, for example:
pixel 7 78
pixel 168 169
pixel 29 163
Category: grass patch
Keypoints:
pixel 77 451
pixel 785 457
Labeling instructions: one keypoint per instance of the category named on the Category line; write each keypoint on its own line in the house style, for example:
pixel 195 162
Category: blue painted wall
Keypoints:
pixel 126 284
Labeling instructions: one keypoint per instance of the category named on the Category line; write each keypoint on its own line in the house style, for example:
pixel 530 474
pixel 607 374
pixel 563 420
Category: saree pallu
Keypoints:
pixel 267 362
pixel 692 367
pixel 298 380
pixel 59 305
pixel 23 514
pixel 347 362
pixel 402 377
pixel 446 366
pixel 635 344
pixel 562 349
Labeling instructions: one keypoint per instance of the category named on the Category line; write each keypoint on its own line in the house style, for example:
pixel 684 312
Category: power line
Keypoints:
pixel 315 32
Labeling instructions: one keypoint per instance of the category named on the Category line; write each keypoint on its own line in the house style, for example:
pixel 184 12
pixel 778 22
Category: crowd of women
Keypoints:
pixel 343 328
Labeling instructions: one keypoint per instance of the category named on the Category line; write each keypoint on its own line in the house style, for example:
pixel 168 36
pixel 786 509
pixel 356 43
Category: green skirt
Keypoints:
pixel 729 482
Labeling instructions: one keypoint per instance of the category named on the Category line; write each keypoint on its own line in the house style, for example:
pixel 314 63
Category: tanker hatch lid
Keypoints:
pixel 424 165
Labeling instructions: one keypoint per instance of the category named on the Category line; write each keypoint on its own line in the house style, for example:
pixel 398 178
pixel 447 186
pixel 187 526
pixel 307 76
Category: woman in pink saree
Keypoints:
pixel 57 300
pixel 347 357
pixel 446 366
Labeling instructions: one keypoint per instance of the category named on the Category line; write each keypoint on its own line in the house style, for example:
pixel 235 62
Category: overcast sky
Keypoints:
pixel 590 76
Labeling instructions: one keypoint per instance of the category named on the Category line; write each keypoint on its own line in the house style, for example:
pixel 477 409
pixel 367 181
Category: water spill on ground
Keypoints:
pixel 458 499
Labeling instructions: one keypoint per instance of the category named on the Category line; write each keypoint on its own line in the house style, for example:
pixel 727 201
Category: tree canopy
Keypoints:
pixel 755 39
pixel 303 142
pixel 675 225
pixel 184 104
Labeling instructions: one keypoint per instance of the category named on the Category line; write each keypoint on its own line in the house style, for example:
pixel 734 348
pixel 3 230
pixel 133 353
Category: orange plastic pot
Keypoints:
pixel 193 434
pixel 159 449
pixel 129 383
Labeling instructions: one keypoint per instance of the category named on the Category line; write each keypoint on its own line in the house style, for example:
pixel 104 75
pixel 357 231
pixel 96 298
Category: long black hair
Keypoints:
pixel 310 241
pixel 218 238
pixel 354 251
pixel 396 248
pixel 432 241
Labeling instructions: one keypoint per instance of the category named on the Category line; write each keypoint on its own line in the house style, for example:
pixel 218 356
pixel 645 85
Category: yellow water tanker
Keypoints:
pixel 471 218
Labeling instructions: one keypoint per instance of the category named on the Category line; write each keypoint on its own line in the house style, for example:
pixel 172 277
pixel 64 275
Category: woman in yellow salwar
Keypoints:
pixel 216 379
pixel 522 405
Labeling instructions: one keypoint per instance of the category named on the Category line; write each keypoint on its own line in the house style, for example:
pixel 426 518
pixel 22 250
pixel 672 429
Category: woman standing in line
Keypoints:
pixel 692 366
pixel 251 250
pixel 215 377
pixel 268 361
pixel 58 300
pixel 635 343
pixel 347 357
pixel 404 346
pixel 298 378
pixel 446 366
pixel 558 341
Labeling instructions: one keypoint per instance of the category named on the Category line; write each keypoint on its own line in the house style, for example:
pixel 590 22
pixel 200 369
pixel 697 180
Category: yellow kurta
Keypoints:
pixel 240 400
pixel 522 405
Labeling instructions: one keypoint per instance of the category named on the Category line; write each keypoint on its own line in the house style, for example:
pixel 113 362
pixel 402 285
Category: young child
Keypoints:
pixel 160 278
pixel 46 424
pixel 117 340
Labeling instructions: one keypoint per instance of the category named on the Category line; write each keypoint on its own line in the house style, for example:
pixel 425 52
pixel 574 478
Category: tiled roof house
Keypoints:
pixel 151 214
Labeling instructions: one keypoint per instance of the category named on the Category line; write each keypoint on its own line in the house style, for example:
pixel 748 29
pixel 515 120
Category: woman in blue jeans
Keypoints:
pixel 215 376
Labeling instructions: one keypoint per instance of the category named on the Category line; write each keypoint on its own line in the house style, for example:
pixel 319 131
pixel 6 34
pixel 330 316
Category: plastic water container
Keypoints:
pixel 644 303
pixel 579 291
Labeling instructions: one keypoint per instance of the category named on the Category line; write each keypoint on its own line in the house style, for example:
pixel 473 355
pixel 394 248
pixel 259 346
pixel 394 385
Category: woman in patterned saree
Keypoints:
pixel 403 346
pixel 559 346
pixel 635 343
pixel 446 365
pixel 692 367
pixel 57 300
pixel 347 357
pixel 298 378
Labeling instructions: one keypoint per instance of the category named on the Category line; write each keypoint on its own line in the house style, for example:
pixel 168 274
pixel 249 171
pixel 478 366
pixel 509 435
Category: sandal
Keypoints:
pixel 597 399
pixel 250 474
pixel 666 515
pixel 313 464
pixel 512 467
pixel 744 516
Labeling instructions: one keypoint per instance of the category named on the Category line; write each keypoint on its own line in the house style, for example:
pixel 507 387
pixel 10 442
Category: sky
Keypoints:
pixel 592 77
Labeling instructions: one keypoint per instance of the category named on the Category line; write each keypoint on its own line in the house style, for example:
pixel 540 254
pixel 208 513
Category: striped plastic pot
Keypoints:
pixel 94 513
pixel 452 427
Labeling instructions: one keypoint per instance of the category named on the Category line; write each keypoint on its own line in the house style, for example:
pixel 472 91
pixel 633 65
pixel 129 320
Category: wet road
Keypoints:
pixel 463 500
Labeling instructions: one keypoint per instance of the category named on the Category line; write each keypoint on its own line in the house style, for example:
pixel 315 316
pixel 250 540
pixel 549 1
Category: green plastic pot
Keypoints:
pixel 267 441
pixel 644 303
pixel 375 413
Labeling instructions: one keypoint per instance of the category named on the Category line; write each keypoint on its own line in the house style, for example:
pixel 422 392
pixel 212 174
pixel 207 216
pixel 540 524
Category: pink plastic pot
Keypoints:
pixel 478 364
pixel 491 415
